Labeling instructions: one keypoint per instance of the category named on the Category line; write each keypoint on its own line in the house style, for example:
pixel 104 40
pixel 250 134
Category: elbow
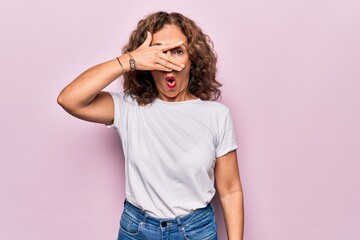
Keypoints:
pixel 230 188
pixel 61 100
pixel 70 104
pixel 232 192
pixel 65 103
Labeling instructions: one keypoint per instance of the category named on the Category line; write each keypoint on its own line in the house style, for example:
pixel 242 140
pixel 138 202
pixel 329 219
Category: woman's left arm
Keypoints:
pixel 231 196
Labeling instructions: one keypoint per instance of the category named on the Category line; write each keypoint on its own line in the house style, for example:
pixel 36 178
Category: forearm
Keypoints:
pixel 233 208
pixel 80 92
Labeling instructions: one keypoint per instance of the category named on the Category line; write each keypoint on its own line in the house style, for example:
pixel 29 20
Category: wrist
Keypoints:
pixel 125 65
pixel 132 62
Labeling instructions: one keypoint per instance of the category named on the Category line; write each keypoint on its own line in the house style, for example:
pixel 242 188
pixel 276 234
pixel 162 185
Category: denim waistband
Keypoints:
pixel 181 220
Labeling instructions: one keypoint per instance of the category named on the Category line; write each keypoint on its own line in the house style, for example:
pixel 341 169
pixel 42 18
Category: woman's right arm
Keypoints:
pixel 84 98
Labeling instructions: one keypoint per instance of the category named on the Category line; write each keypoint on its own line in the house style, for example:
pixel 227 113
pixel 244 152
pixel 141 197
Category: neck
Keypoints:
pixel 184 95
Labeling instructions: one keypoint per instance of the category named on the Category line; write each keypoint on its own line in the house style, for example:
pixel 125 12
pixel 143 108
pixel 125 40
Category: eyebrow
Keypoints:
pixel 159 44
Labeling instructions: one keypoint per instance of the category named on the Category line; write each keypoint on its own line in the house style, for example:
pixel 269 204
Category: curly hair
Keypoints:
pixel 202 81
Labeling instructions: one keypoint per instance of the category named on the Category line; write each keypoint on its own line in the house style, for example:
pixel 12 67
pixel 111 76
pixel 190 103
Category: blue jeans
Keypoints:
pixel 198 225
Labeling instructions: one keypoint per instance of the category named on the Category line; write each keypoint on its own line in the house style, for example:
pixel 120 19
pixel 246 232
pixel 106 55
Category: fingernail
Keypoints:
pixel 182 65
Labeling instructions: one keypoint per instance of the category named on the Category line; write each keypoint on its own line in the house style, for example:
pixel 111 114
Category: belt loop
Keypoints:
pixel 212 207
pixel 146 216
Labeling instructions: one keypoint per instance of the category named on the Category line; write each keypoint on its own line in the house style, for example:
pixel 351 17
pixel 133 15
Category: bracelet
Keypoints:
pixel 132 62
pixel 120 64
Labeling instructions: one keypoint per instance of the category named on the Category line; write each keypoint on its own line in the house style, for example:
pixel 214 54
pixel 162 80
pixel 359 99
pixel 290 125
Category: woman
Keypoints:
pixel 176 141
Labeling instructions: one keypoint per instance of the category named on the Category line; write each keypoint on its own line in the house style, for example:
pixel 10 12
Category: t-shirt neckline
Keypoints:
pixel 175 103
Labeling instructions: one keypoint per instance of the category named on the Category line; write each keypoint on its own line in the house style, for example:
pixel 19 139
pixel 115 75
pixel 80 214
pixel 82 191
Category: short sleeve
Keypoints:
pixel 117 98
pixel 226 137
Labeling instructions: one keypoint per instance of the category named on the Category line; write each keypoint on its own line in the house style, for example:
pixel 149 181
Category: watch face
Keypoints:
pixel 132 64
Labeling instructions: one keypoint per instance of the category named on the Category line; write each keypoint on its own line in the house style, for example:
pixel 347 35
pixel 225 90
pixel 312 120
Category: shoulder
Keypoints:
pixel 214 107
pixel 117 95
pixel 121 97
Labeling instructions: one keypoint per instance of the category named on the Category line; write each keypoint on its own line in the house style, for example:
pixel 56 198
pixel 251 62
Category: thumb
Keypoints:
pixel 148 40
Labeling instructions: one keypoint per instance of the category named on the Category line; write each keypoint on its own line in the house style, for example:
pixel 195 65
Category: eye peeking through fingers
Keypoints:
pixel 175 51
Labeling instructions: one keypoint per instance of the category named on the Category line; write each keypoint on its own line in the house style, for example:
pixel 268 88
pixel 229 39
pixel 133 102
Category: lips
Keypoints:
pixel 170 81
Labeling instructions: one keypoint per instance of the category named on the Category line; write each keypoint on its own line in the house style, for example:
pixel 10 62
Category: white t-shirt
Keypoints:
pixel 170 150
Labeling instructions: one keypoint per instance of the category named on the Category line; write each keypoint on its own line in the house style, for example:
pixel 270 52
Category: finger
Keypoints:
pixel 169 46
pixel 170 60
pixel 148 39
pixel 170 65
pixel 160 67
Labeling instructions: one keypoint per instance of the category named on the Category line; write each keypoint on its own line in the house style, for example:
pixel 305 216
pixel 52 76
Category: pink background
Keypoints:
pixel 291 77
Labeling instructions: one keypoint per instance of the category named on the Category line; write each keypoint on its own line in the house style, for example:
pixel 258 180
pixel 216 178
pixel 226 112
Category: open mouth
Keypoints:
pixel 170 81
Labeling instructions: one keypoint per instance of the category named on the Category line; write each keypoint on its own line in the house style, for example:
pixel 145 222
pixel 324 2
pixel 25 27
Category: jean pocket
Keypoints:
pixel 129 225
pixel 204 229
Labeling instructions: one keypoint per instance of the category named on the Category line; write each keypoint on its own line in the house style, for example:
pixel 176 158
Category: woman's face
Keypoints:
pixel 173 86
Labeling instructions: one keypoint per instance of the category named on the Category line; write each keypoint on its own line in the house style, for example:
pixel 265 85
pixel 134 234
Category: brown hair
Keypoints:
pixel 202 84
